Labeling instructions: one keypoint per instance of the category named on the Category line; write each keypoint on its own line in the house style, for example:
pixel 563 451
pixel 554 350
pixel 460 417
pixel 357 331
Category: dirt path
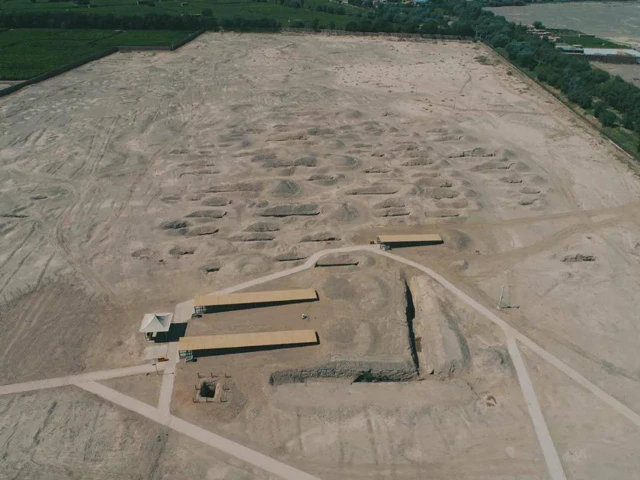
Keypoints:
pixel 75 379
pixel 549 451
pixel 166 389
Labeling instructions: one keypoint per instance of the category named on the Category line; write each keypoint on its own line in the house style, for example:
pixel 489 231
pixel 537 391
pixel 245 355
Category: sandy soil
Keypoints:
pixel 631 73
pixel 145 388
pixel 593 442
pixel 68 433
pixel 143 179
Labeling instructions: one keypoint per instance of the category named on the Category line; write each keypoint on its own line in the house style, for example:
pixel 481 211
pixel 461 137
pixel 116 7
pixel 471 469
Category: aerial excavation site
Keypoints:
pixel 306 256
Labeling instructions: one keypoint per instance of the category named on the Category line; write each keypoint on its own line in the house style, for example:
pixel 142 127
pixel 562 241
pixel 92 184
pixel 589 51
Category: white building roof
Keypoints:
pixel 612 51
pixel 156 322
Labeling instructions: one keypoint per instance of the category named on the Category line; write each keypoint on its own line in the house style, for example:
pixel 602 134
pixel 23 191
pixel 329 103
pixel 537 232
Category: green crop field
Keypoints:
pixel 26 53
pixel 287 12
pixel 589 42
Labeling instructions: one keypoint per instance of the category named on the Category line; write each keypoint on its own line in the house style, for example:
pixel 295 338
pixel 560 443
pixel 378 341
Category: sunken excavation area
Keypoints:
pixel 434 345
pixel 386 335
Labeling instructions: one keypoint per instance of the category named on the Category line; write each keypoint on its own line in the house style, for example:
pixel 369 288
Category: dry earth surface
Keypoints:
pixel 631 73
pixel 140 180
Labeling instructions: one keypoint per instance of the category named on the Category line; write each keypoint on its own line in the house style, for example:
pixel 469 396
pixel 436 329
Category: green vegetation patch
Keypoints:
pixel 625 139
pixel 589 42
pixel 319 12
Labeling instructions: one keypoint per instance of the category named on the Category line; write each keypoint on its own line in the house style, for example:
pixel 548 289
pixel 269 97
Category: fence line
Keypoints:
pixel 415 36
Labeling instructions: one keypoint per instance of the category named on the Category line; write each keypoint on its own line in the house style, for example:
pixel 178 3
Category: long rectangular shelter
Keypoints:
pixel 203 303
pixel 416 239
pixel 247 340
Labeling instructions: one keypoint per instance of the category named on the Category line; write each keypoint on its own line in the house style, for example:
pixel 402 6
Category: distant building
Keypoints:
pixel 613 55
pixel 609 55
pixel 570 48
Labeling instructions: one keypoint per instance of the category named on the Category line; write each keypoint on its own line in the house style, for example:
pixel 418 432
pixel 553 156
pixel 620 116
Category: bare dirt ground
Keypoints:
pixel 68 433
pixel 143 179
pixel 145 387
pixel 592 441
pixel 631 73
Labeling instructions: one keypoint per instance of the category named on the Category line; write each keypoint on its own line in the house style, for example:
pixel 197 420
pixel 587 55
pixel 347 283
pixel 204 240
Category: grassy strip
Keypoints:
pixel 625 140
pixel 27 53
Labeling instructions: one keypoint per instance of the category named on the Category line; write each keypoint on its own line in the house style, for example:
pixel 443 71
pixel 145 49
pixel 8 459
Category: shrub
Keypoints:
pixel 581 97
pixel 607 118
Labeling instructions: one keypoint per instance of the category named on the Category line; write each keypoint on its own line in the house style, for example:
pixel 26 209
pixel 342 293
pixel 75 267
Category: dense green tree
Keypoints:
pixel 581 97
pixel 607 118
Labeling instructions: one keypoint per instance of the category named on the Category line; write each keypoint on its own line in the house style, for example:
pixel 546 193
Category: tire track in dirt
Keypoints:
pixel 44 270
pixel 96 163
pixel 464 85
pixel 21 264
pixel 79 266
pixel 24 322
pixel 102 232
pixel 502 260
pixel 15 250
pixel 82 197
pixel 629 208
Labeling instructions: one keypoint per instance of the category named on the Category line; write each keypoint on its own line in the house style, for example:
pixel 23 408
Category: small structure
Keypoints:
pixel 227 301
pixel 207 389
pixel 408 240
pixel 154 323
pixel 570 48
pixel 609 55
pixel 612 55
pixel 338 261
pixel 245 341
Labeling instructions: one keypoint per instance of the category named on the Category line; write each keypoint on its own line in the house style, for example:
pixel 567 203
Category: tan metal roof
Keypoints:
pixel 420 238
pixel 255 297
pixel 240 340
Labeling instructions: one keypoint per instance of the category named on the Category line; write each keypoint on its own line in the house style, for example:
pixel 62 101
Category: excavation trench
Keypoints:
pixel 400 368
